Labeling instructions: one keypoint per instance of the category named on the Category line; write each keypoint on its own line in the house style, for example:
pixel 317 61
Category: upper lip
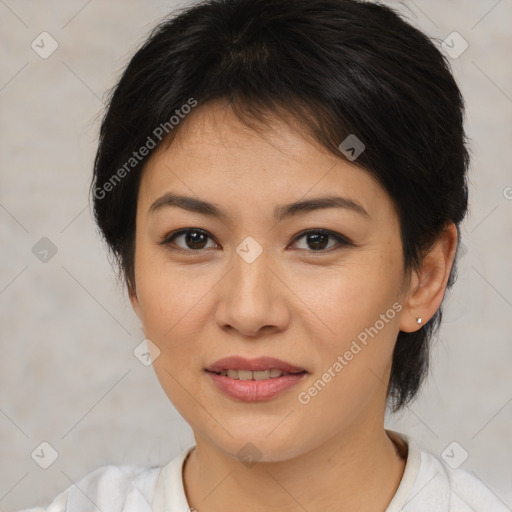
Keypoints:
pixel 260 363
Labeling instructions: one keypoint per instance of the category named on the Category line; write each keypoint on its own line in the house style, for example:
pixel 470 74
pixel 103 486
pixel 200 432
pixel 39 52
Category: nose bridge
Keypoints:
pixel 250 273
pixel 251 297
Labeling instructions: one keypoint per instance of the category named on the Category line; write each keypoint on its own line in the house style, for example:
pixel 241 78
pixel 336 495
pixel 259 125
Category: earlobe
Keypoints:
pixel 428 285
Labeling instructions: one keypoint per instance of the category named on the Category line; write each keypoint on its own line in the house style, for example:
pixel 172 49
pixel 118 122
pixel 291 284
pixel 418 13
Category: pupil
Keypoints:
pixel 316 241
pixel 193 238
pixel 314 238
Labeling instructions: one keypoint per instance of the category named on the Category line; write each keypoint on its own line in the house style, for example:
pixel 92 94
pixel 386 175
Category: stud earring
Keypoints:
pixel 418 320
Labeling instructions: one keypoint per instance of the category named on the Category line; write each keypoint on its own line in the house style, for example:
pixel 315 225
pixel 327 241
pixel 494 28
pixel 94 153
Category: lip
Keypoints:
pixel 254 390
pixel 260 363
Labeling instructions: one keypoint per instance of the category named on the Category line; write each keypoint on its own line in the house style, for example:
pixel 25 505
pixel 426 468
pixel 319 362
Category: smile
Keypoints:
pixel 271 373
pixel 254 386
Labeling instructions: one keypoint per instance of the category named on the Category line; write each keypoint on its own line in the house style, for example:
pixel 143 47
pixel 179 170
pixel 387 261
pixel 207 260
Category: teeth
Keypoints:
pixel 245 374
pixel 250 375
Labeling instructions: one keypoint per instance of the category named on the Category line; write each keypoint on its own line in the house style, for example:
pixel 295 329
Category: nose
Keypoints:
pixel 252 297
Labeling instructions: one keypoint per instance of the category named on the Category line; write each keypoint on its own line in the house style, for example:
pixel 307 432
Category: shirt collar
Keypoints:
pixel 170 491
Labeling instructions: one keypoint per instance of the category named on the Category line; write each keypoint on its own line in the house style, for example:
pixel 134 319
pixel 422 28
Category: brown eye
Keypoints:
pixel 318 239
pixel 193 239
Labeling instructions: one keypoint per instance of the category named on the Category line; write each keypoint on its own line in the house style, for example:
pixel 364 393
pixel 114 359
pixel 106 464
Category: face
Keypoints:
pixel 318 287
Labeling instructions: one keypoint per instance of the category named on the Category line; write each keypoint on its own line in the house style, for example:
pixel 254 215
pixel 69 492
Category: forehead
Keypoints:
pixel 215 154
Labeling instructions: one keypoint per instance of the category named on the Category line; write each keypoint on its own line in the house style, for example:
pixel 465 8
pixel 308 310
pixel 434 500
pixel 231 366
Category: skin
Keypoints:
pixel 301 305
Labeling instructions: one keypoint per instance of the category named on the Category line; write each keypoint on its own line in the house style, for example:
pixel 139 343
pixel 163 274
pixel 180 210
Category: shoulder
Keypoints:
pixel 430 484
pixel 443 488
pixel 111 487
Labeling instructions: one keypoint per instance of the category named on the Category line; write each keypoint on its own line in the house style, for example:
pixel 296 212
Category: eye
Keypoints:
pixel 194 239
pixel 318 239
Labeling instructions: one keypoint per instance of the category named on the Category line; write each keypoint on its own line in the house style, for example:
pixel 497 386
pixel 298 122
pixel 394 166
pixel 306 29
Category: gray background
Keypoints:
pixel 68 375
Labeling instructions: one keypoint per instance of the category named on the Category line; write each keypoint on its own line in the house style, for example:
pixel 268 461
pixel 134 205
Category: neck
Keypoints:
pixel 358 471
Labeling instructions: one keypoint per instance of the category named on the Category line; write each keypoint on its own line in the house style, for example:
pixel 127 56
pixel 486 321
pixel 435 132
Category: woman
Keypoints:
pixel 282 184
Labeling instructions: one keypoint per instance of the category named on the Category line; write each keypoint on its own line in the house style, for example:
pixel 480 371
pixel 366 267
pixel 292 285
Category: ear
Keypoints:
pixel 428 284
pixel 132 293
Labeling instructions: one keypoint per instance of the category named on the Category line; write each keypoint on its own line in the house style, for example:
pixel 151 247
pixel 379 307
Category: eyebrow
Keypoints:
pixel 193 204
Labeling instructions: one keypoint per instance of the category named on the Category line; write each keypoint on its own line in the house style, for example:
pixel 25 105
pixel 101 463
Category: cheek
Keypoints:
pixel 172 308
pixel 334 303
pixel 173 315
pixel 351 297
pixel 356 314
pixel 349 326
pixel 169 294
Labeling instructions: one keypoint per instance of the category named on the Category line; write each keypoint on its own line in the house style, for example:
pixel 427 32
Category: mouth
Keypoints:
pixel 261 368
pixel 271 373
pixel 254 379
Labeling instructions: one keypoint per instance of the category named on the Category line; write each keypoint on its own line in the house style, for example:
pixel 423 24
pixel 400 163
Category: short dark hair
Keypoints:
pixel 338 68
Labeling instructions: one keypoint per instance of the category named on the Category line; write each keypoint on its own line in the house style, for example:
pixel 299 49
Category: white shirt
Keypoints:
pixel 427 485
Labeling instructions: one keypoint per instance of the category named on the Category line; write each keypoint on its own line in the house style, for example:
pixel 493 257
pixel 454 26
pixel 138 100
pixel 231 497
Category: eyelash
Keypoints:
pixel 342 241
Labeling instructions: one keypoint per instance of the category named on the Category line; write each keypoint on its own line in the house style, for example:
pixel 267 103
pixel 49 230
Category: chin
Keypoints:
pixel 251 448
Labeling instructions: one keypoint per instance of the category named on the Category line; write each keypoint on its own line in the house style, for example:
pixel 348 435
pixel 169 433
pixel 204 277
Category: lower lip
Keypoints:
pixel 254 390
